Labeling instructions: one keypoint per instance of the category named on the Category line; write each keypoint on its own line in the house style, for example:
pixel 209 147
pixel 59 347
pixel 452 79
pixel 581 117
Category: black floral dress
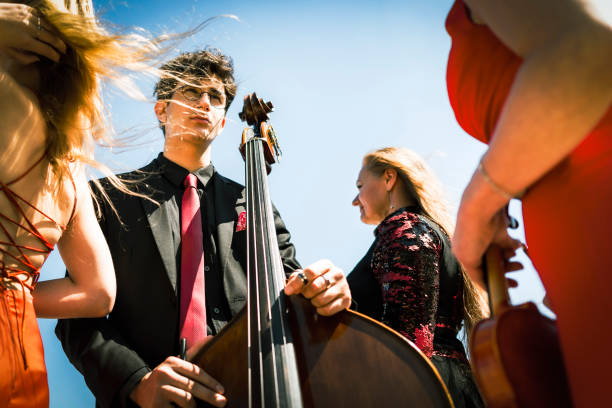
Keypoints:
pixel 410 281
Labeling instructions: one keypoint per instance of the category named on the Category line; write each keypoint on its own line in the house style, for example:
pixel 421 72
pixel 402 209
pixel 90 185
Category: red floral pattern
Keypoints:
pixel 241 224
pixel 406 262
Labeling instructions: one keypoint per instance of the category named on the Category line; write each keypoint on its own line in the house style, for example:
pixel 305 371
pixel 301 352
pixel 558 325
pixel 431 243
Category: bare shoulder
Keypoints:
pixel 526 25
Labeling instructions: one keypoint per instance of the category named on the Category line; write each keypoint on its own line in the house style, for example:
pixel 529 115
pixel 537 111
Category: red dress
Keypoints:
pixel 566 213
pixel 23 378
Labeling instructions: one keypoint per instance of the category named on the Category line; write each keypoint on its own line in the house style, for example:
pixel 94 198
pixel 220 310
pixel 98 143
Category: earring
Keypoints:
pixel 391 206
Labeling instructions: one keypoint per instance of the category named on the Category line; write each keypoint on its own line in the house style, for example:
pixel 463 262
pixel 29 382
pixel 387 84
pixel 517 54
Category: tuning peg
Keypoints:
pixel 255 110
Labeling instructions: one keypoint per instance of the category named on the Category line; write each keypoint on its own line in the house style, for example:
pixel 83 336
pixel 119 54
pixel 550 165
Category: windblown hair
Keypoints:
pixel 191 68
pixel 421 184
pixel 69 95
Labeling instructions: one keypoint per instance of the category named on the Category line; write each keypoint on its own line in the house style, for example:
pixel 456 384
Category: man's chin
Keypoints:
pixel 194 136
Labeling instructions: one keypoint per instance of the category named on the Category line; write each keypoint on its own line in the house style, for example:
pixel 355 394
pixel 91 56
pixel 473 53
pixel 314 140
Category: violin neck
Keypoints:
pixel 493 268
pixel 273 375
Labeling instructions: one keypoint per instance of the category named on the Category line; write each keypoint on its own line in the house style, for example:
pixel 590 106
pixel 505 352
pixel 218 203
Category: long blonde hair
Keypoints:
pixel 421 184
pixel 69 97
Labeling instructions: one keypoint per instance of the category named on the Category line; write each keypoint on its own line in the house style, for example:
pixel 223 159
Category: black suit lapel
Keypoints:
pixel 225 211
pixel 164 222
pixel 229 203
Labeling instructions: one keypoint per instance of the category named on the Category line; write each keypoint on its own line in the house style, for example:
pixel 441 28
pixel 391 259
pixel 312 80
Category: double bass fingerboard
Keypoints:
pixel 273 374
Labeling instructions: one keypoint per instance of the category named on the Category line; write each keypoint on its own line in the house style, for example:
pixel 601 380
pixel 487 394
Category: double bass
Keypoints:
pixel 515 354
pixel 278 352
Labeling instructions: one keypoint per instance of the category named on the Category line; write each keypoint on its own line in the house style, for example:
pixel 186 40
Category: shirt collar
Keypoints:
pixel 176 174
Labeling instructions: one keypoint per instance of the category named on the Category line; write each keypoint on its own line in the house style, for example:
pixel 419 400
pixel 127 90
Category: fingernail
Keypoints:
pixel 221 400
pixel 220 389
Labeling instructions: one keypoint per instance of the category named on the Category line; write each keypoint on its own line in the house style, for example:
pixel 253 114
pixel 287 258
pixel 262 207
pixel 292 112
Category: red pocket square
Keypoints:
pixel 241 224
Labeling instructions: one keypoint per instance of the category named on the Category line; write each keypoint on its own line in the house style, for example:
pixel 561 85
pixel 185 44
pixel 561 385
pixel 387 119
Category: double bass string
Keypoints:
pixel 262 291
pixel 272 355
pixel 268 339
pixel 256 367
pixel 278 368
pixel 250 272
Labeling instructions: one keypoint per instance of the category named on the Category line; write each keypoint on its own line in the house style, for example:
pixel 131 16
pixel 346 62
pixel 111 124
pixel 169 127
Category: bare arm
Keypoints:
pixel 561 91
pixel 89 290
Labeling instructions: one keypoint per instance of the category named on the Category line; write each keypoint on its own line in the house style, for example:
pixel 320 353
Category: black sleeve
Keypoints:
pixel 110 368
pixel 286 248
pixel 365 289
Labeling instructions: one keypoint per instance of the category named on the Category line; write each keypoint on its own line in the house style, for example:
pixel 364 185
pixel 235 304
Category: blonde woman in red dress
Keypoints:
pixel 51 61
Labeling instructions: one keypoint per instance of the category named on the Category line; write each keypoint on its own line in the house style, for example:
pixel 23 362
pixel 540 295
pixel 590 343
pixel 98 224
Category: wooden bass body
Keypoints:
pixel 345 360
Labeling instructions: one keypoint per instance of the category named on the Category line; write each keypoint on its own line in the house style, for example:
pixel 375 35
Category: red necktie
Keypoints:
pixel 193 304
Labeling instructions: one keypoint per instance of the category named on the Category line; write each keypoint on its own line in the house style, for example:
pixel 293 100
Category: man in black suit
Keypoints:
pixel 126 358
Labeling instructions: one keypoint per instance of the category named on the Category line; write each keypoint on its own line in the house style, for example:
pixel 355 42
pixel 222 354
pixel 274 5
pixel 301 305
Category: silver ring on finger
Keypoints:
pixel 38 27
pixel 327 282
pixel 303 278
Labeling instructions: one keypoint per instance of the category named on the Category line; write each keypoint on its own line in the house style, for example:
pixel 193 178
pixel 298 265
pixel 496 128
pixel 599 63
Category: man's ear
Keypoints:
pixel 160 109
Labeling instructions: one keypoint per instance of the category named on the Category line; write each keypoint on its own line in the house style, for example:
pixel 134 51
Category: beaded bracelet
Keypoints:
pixel 496 186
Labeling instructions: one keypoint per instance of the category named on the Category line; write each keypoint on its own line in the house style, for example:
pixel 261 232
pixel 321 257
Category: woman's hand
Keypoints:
pixel 26 36
pixel 324 284
pixel 481 221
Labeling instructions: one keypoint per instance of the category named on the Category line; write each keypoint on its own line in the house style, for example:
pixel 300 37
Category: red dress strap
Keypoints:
pixel 25 173
pixel 20 204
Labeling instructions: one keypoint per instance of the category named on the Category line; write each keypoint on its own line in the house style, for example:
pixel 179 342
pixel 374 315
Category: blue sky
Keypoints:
pixel 346 78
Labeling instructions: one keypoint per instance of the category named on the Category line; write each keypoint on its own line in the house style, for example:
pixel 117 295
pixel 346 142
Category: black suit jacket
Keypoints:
pixel 114 353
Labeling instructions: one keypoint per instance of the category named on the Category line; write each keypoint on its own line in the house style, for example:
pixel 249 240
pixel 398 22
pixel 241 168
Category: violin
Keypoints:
pixel 278 352
pixel 515 354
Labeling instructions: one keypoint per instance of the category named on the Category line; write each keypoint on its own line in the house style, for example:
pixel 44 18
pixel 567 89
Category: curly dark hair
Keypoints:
pixel 195 66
